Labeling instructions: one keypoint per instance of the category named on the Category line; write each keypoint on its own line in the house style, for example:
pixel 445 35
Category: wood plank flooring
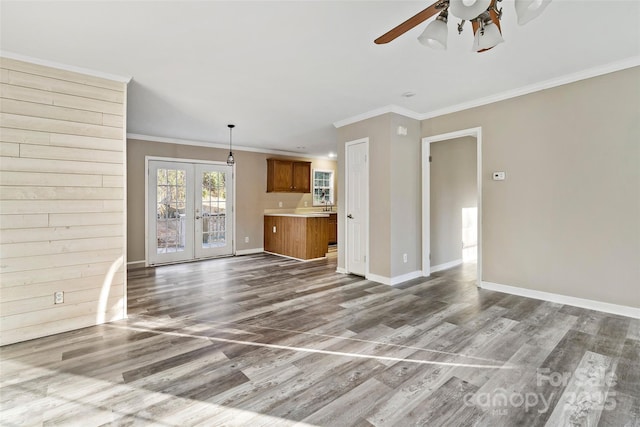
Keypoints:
pixel 265 341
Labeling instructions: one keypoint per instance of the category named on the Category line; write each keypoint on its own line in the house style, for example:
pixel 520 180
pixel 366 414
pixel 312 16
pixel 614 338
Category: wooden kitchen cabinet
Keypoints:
pixel 287 176
pixel 297 236
pixel 332 229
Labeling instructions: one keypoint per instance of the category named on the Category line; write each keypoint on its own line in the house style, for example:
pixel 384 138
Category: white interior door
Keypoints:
pixel 190 211
pixel 357 205
pixel 214 210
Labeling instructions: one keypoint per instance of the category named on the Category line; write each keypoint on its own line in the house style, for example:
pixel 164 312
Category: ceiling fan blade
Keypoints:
pixel 417 19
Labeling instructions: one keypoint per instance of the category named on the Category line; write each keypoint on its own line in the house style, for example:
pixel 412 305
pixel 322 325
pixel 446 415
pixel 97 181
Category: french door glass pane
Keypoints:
pixel 214 209
pixel 170 210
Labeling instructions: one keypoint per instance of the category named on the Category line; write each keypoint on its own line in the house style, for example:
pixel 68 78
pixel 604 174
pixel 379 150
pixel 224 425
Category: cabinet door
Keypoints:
pixel 332 229
pixel 279 175
pixel 301 177
pixel 273 234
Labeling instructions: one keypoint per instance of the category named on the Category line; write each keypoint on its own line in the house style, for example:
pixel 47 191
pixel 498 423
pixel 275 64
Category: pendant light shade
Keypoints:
pixel 468 9
pixel 526 10
pixel 487 37
pixel 230 160
pixel 435 35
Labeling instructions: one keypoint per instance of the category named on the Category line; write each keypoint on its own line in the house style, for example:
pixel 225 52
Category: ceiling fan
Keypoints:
pixel 484 16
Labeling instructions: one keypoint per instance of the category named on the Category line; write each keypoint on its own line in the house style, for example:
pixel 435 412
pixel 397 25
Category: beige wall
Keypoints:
pixel 377 130
pixel 453 187
pixel 62 194
pixel 251 186
pixel 394 199
pixel 567 218
pixel 406 197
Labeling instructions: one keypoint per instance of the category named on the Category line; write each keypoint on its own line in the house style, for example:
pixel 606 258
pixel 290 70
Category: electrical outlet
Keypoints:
pixel 58 297
pixel 246 239
pixel 306 203
pixel 279 204
pixel 404 257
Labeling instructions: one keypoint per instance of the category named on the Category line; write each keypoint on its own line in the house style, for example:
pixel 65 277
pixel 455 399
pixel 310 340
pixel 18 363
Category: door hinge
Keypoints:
pixel 365 258
pixel 430 159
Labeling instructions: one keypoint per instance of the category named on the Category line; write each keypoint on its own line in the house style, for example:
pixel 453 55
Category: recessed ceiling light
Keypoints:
pixel 332 155
pixel 408 94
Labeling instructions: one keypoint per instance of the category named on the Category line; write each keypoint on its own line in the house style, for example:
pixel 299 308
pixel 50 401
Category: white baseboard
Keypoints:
pixel 134 263
pixel 250 251
pixel 392 281
pixel 606 307
pixel 341 270
pixel 446 265
pixel 294 258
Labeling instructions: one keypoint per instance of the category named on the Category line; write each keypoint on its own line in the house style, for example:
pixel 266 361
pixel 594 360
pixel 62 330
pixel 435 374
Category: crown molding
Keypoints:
pixel 513 93
pixel 536 87
pixel 66 67
pixel 223 146
pixel 378 112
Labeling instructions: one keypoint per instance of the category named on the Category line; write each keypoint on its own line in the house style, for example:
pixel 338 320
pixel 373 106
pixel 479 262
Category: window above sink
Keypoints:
pixel 323 187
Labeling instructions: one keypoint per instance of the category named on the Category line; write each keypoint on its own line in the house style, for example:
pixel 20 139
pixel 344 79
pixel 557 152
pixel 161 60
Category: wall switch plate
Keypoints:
pixel 404 257
pixel 499 176
pixel 58 297
pixel 274 228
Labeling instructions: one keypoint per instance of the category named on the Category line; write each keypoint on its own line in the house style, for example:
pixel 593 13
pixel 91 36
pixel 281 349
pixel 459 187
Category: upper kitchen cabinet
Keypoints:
pixel 287 176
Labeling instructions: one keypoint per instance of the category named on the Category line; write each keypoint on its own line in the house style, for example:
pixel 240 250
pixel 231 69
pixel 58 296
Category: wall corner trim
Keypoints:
pixel 606 307
pixel 221 145
pixel 66 67
pixel 378 112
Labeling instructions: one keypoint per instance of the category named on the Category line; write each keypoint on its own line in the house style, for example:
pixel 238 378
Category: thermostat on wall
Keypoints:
pixel 499 176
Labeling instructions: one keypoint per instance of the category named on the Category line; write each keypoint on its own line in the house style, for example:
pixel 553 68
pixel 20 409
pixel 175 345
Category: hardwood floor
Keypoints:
pixel 262 340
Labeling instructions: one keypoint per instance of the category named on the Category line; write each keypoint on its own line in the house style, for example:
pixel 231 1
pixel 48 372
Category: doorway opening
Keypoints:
pixel 469 234
pixel 467 243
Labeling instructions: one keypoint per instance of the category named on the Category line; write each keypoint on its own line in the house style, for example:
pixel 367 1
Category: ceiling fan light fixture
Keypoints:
pixel 527 10
pixel 435 35
pixel 468 9
pixel 486 37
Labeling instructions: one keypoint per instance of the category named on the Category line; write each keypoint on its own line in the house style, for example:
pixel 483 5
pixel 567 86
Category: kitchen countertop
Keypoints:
pixel 302 215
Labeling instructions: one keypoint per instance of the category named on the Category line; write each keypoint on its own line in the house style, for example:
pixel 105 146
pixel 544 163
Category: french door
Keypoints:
pixel 190 211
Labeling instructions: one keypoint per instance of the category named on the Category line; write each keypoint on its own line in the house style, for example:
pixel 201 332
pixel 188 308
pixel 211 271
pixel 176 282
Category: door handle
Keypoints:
pixel 198 217
pixel 350 216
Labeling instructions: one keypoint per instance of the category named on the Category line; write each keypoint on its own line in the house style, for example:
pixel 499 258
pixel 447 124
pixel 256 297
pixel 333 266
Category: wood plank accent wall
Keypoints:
pixel 62 200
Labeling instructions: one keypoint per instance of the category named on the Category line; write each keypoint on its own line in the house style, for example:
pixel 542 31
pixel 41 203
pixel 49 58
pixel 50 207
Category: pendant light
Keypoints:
pixel 230 160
